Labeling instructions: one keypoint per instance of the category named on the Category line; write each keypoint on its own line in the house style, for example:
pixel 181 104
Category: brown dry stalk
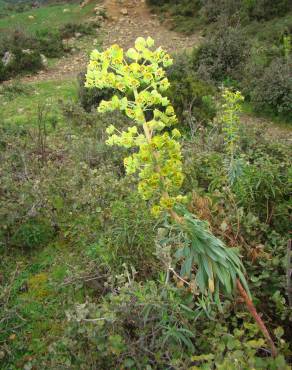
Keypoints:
pixel 251 308
pixel 289 272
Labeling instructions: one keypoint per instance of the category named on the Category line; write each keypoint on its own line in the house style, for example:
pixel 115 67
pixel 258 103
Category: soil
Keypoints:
pixel 124 29
pixel 126 20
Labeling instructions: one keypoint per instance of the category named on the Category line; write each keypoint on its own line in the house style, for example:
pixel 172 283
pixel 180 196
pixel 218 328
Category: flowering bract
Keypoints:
pixel 140 77
pixel 230 126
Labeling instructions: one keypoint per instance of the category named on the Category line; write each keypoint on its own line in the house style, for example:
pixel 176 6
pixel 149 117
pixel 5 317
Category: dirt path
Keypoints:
pixel 130 19
pixel 126 21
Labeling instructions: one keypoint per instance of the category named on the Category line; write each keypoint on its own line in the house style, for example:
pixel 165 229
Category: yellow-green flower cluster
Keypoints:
pixel 140 77
pixel 230 119
pixel 139 67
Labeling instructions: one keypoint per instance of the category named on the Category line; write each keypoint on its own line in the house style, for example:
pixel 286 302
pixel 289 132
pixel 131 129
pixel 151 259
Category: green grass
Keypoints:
pixel 47 17
pixel 34 317
pixel 22 108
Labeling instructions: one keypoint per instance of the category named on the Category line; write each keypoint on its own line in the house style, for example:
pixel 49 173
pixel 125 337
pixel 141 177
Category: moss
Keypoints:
pixel 38 286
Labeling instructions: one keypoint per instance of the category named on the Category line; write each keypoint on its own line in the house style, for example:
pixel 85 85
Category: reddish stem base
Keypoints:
pixel 251 308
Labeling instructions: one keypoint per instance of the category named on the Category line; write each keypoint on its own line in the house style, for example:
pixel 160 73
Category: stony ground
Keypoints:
pixel 126 20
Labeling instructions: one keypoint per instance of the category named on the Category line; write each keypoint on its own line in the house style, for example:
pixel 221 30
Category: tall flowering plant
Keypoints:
pixel 140 80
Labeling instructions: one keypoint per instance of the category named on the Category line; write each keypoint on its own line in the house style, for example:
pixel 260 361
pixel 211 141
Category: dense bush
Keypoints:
pixel 31 234
pixel 272 90
pixel 264 185
pixel 187 15
pixel 131 227
pixel 24 54
pixel 222 55
pixel 3 72
pixel 24 62
pixel 27 49
pixel 90 98
pixel 49 42
pixel 184 14
pixel 192 98
pixel 70 29
pixel 266 9
pixel 213 10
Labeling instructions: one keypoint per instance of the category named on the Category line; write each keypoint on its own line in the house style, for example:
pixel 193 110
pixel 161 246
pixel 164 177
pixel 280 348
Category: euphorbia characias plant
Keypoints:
pixel 231 108
pixel 158 159
pixel 140 80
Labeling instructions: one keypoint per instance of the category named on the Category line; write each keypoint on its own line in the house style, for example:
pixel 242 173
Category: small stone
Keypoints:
pixel 44 61
pixel 26 51
pixel 7 58
pixel 124 11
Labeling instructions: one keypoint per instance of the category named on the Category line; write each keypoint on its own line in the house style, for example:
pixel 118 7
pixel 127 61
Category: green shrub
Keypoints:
pixel 184 14
pixel 212 10
pixel 15 89
pixel 222 55
pixel 273 89
pixel 17 39
pixel 3 71
pixel 25 54
pixel 32 234
pixel 49 42
pixel 90 98
pixel 266 9
pixel 192 98
pixel 129 236
pixel 24 62
pixel 264 185
pixel 70 29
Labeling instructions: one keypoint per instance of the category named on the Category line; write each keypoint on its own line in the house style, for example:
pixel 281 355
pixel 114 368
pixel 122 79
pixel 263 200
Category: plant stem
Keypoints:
pixel 289 272
pixel 251 308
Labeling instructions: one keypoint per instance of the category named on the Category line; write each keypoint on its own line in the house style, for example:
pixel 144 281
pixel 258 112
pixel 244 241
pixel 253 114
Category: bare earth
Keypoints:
pixel 122 29
pixel 128 20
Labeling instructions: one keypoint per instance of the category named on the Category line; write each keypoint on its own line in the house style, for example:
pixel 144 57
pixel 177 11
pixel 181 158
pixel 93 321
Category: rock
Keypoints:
pixel 124 11
pixel 99 9
pixel 44 61
pixel 27 51
pixel 84 3
pixel 7 58
pixel 78 35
